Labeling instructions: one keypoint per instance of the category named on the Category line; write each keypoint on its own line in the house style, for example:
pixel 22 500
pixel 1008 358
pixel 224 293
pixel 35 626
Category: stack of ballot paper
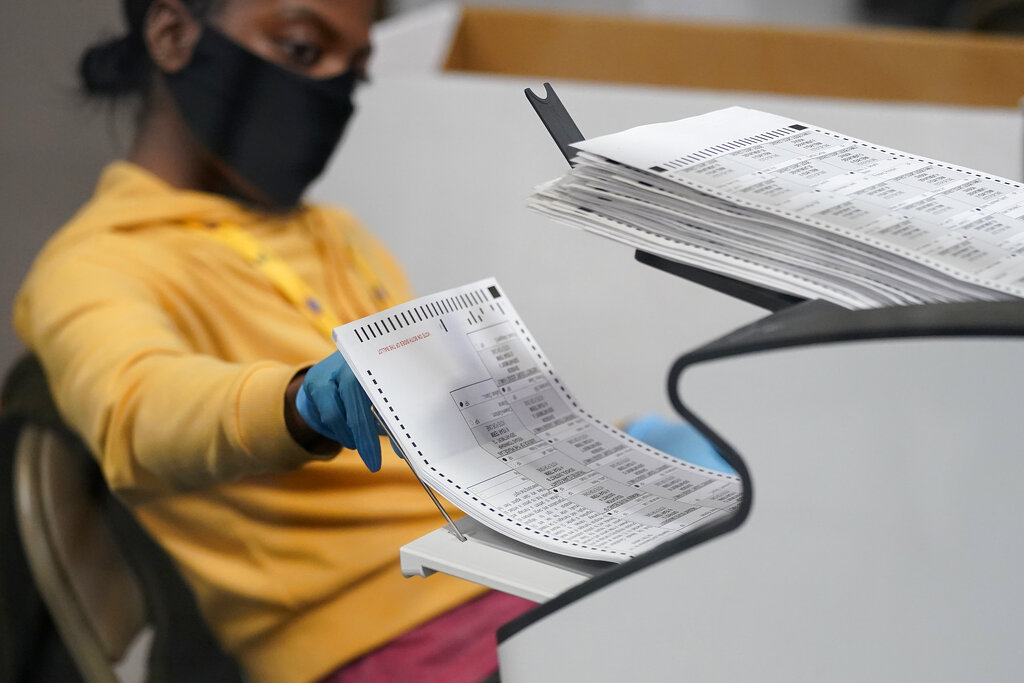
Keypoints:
pixel 799 210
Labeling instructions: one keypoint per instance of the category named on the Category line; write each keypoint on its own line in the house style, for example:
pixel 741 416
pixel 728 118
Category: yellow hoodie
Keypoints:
pixel 170 355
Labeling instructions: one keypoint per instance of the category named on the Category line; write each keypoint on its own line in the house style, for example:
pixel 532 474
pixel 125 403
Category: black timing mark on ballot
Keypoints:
pixel 713 151
pixel 432 309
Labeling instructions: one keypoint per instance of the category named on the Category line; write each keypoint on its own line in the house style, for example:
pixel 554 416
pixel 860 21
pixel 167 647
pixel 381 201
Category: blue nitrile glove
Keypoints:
pixel 333 404
pixel 678 439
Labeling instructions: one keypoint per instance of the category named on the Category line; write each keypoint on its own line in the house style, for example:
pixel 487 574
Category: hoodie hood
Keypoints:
pixel 128 197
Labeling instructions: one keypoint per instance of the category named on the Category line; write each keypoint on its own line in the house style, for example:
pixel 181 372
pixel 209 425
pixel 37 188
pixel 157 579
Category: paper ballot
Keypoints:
pixel 487 423
pixel 798 209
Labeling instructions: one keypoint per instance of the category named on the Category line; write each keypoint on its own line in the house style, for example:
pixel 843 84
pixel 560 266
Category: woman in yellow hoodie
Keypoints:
pixel 178 316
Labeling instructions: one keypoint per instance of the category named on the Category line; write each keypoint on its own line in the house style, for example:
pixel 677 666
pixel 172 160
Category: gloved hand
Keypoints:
pixel 678 439
pixel 333 404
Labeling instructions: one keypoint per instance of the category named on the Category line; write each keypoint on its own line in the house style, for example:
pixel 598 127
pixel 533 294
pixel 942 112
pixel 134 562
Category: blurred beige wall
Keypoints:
pixel 52 143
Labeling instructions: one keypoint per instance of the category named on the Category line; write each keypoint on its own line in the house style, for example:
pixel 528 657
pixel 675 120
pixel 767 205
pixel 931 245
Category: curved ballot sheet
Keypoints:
pixel 485 421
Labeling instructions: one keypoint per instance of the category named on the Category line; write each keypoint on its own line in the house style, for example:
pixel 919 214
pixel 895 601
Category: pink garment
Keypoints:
pixel 457 647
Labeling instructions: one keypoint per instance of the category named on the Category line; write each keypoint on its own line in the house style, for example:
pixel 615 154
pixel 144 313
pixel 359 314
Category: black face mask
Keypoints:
pixel 272 127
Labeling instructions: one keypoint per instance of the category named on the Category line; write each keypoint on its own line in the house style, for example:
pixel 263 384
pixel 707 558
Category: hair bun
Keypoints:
pixel 114 67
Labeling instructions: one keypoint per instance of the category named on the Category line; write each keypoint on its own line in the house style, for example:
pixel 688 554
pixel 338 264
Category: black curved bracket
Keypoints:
pixel 813 322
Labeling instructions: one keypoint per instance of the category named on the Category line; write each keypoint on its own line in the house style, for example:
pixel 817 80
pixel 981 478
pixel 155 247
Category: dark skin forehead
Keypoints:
pixel 337 31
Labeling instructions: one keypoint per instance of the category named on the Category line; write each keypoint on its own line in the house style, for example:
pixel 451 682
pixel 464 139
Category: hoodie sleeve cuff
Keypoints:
pixel 261 424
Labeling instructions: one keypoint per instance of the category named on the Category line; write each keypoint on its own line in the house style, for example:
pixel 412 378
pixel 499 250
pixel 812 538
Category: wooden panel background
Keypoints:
pixel 943 67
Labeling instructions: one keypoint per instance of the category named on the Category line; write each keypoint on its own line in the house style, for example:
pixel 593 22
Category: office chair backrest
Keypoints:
pixel 98 571
pixel 93 595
